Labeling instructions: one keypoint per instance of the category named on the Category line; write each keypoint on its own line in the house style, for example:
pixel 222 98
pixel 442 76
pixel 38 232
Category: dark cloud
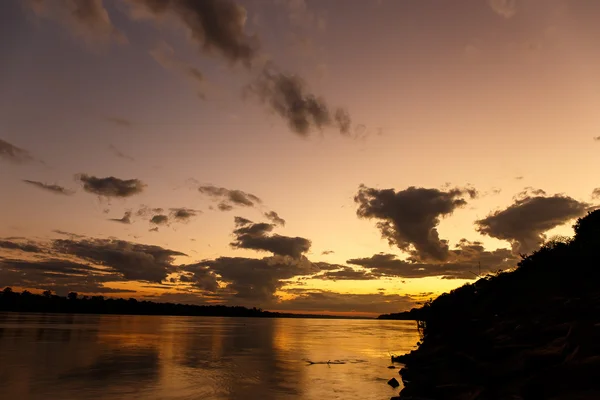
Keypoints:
pixel 134 261
pixel 274 218
pixel 51 188
pixel 200 277
pixel 323 300
pixel 409 218
pixel 183 214
pixel 13 153
pixel 123 122
pixel 216 25
pixel 87 19
pixel 230 197
pixel 249 235
pixel 254 279
pixel 346 274
pixel 327 252
pixel 464 262
pixel 524 222
pixel 225 207
pixel 26 247
pixel 596 193
pixel 288 97
pixel 155 229
pixel 120 154
pixel 61 276
pixel 69 234
pixel 159 219
pixel 145 211
pixel 111 186
pixel 597 138
pixel 126 219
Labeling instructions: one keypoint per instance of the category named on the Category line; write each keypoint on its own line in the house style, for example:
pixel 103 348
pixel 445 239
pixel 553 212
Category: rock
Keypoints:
pixel 393 383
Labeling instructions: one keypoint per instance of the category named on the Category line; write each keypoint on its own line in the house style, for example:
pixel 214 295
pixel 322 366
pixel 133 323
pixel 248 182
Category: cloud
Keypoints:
pixel 87 19
pixel 159 219
pixel 409 218
pixel 120 121
pixel 274 218
pixel 504 8
pixel 322 300
pixel 51 188
pixel 229 197
pixel 183 214
pixel 111 186
pixel 225 207
pixel 26 247
pixel 327 252
pixel 13 153
pixel 119 154
pixel 524 222
pixel 254 279
pixel 346 273
pixel 463 262
pixel 133 261
pixel 249 235
pixel 597 138
pixel 216 25
pixel 288 97
pixel 61 276
pixel 126 219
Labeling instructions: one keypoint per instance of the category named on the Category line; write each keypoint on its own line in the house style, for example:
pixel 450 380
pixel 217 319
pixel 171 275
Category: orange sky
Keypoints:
pixel 496 96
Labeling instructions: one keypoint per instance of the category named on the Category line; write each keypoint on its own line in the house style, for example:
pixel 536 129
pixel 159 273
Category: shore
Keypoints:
pixel 533 333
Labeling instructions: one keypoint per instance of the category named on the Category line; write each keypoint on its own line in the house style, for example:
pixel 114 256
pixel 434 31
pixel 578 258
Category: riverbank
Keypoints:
pixel 532 333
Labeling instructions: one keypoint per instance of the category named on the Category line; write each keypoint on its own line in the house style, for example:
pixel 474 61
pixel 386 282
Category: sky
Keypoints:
pixel 350 158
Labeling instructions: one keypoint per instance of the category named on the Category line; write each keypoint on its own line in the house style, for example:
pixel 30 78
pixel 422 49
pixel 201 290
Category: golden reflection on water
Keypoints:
pixel 154 357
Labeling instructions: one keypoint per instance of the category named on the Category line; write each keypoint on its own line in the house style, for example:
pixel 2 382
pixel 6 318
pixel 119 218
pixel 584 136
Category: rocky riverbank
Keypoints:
pixel 533 333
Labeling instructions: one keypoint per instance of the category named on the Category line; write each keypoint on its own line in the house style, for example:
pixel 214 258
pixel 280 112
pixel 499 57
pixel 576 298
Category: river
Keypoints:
pixel 61 356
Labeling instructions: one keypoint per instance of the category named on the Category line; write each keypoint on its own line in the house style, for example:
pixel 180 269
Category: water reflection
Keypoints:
pixel 139 357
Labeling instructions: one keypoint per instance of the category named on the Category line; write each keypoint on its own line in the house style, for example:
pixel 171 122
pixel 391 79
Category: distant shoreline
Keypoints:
pixel 47 303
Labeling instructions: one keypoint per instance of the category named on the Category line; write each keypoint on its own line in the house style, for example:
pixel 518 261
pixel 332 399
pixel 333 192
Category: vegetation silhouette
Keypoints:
pixel 529 333
pixel 73 303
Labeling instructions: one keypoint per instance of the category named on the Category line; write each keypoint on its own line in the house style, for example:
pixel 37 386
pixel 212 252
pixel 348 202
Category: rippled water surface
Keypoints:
pixel 153 357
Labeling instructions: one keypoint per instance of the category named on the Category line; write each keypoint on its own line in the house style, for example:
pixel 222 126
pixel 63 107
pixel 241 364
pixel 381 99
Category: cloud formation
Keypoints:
pixel 61 276
pixel 87 19
pixel 217 26
pixel 596 193
pixel 409 218
pixel 183 214
pixel 126 219
pixel 274 218
pixel 256 236
pixel 111 186
pixel 26 247
pixel 466 261
pixel 229 198
pixel 254 279
pixel 524 222
pixel 133 261
pixel 51 188
pixel 13 153
pixel 159 219
pixel 288 97
pixel 504 8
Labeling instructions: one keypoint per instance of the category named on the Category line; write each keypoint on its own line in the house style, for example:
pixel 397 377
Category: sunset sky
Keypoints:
pixel 347 157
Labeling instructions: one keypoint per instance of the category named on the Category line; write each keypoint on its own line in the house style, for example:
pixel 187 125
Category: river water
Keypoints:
pixel 58 356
